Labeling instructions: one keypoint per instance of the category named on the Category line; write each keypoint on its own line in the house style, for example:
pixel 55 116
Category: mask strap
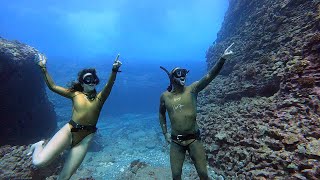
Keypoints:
pixel 87 74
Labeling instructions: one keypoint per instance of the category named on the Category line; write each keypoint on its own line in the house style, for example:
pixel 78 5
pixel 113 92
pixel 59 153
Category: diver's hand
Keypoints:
pixel 167 136
pixel 117 63
pixel 227 53
pixel 41 60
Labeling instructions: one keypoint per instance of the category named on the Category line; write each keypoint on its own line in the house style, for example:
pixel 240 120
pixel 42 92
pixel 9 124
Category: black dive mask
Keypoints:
pixel 178 73
pixel 90 79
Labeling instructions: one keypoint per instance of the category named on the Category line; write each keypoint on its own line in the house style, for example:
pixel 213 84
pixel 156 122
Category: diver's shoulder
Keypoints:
pixel 76 93
pixel 193 85
pixel 165 93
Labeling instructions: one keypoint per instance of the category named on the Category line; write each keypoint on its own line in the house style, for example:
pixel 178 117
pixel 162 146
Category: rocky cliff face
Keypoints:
pixel 261 117
pixel 26 114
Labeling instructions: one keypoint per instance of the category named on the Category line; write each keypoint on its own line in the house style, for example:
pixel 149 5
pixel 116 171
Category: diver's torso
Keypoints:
pixel 182 111
pixel 85 111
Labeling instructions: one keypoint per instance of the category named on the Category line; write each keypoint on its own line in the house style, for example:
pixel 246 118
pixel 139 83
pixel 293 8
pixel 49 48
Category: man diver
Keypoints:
pixel 181 103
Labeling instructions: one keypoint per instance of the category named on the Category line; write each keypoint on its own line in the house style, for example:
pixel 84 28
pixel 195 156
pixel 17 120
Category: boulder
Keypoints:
pixel 26 114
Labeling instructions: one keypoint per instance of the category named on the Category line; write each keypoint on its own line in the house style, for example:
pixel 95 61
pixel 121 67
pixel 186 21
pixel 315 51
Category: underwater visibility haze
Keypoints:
pixel 147 34
pixel 244 104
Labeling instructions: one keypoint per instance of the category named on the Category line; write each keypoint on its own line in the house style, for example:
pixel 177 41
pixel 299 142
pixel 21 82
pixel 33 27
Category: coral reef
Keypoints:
pixel 16 164
pixel 141 170
pixel 25 111
pixel 260 117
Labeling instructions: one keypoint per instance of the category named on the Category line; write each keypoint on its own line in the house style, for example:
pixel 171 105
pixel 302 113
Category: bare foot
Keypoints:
pixel 34 146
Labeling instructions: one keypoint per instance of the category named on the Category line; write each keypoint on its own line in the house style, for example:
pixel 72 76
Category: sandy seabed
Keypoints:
pixel 131 137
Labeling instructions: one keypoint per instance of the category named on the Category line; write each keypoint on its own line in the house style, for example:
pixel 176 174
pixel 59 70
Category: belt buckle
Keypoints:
pixel 80 127
pixel 178 137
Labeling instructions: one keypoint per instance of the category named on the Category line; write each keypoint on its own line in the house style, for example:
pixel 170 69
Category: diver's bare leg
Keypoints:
pixel 177 156
pixel 75 157
pixel 198 156
pixel 42 156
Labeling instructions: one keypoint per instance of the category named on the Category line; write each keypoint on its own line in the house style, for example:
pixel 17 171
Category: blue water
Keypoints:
pixel 148 34
pixel 127 138
pixel 137 88
pixel 128 127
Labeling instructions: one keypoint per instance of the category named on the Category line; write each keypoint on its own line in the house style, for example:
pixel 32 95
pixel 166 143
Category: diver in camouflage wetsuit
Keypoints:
pixel 181 104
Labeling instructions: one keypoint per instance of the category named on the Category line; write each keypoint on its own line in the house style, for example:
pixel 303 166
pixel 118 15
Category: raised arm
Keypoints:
pixel 214 71
pixel 104 94
pixel 42 60
pixel 162 119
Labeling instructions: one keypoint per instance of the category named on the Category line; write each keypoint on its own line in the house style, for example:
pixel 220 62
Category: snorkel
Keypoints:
pixel 174 74
pixel 170 78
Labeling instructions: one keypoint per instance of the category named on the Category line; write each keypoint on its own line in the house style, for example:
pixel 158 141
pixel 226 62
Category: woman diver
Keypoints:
pixel 78 133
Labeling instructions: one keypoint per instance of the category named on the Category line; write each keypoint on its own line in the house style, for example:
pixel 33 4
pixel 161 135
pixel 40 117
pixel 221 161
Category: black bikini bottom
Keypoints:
pixel 79 132
pixel 180 138
pixel 186 136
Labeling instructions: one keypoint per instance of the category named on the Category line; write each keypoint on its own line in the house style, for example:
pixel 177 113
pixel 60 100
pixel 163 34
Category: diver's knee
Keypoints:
pixel 39 163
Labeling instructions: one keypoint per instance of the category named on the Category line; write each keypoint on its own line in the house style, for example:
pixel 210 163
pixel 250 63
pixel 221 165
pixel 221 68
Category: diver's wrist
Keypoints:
pixel 115 70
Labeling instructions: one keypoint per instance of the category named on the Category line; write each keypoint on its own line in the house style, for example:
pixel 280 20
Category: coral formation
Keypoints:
pixel 16 164
pixel 24 103
pixel 260 117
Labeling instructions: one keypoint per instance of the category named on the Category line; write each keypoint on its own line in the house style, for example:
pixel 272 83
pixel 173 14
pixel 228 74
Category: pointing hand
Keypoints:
pixel 117 63
pixel 227 53
pixel 41 60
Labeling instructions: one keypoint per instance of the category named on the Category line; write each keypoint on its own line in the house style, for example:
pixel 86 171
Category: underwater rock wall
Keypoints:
pixel 261 117
pixel 26 114
pixel 16 164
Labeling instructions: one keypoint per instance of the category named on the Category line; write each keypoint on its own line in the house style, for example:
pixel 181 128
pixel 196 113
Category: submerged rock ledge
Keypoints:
pixel 260 118
pixel 26 114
